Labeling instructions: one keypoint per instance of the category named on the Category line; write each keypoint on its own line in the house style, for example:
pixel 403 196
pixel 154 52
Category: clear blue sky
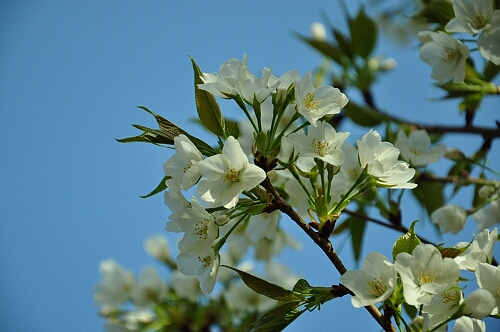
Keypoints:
pixel 71 74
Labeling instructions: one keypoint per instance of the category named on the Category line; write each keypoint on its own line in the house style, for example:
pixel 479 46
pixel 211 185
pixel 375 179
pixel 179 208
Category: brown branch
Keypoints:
pixel 325 245
pixel 396 227
pixel 486 132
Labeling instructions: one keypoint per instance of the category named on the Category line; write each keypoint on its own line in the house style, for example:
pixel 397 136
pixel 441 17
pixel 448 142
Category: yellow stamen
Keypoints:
pixel 376 287
pixel 310 102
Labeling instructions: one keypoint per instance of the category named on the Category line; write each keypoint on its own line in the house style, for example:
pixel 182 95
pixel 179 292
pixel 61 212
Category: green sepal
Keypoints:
pixel 407 242
pixel 208 109
pixel 161 187
pixel 266 288
pixel 363 34
pixel 262 142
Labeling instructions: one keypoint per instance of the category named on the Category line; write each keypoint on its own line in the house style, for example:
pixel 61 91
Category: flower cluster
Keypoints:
pixel 288 157
pixel 447 55
pixel 431 282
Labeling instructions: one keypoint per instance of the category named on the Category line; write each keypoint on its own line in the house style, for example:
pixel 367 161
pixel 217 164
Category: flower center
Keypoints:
pixel 201 229
pixel 310 102
pixel 416 152
pixel 479 21
pixel 320 147
pixel 376 287
pixel 449 297
pixel 188 166
pixel 206 261
pixel 450 56
pixel 425 277
pixel 230 175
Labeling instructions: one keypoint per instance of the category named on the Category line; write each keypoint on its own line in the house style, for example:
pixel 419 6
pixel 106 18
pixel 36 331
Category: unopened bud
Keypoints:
pixel 454 154
pixel 318 31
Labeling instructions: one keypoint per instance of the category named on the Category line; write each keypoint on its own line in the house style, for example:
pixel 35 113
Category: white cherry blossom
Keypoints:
pixel 416 149
pixel 321 142
pixel 381 161
pixel 425 273
pixel 315 103
pixel 488 216
pixel 115 287
pixel 450 218
pixel 479 304
pixel 488 277
pixel 471 16
pixel 374 283
pixel 466 324
pixel 445 54
pixel 227 83
pixel 183 165
pixel 227 175
pixel 479 251
pixel 150 288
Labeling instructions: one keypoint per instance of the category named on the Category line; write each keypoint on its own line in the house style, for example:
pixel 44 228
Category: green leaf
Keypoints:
pixel 491 71
pixel 429 194
pixel 407 242
pixel 278 318
pixel 363 34
pixel 437 12
pixel 266 288
pixel 165 135
pixel 208 109
pixel 452 252
pixel 344 43
pixel 331 51
pixel 161 186
pixel 361 115
pixel 358 227
pixel 302 286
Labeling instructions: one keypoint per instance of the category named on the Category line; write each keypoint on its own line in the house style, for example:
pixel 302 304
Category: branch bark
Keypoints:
pixel 325 245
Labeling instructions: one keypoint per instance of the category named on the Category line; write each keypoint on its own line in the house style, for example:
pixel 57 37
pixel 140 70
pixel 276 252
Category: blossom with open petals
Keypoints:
pixel 425 273
pixel 314 103
pixel 488 277
pixel 445 54
pixel 150 288
pixel 466 324
pixel 182 167
pixel 471 16
pixel 416 149
pixel 227 83
pixel 442 306
pixel 227 175
pixel 115 287
pixel 479 251
pixel 200 228
pixel 381 162
pixel 203 263
pixel 488 216
pixel 321 142
pixel 374 283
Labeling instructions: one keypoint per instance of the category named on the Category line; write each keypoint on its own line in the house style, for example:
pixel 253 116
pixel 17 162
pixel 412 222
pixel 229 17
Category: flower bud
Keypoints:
pixel 318 31
pixel 479 304
pixel 451 218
